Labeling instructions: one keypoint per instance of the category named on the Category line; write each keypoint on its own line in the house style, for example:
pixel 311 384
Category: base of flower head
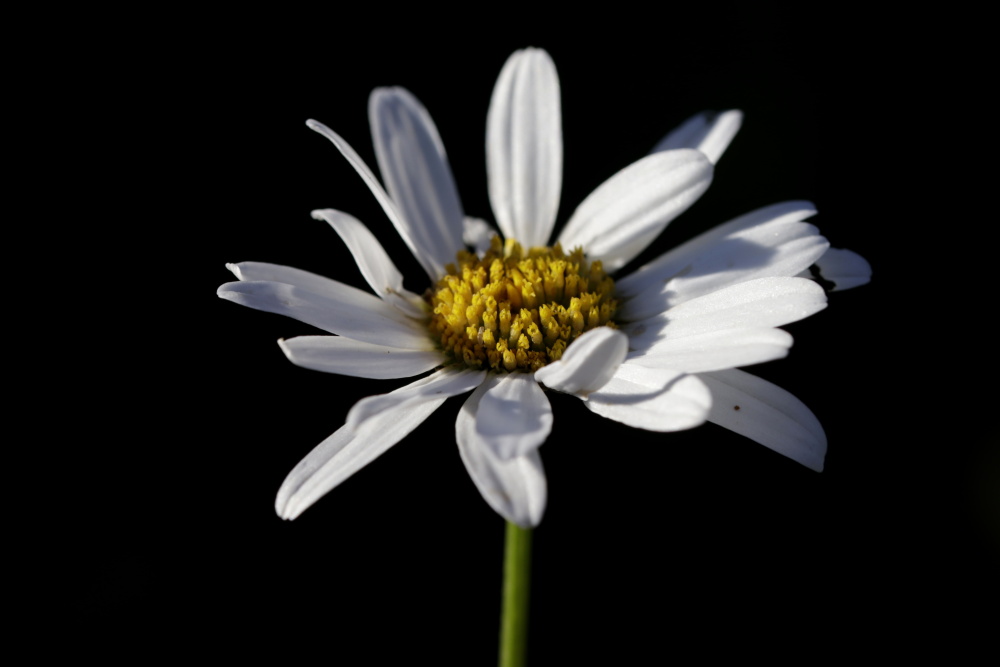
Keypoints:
pixel 512 310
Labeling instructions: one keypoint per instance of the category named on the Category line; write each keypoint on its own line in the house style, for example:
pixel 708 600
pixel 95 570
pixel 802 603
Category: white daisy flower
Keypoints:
pixel 658 349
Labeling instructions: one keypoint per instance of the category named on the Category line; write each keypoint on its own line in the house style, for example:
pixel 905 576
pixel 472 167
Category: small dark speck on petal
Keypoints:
pixel 736 407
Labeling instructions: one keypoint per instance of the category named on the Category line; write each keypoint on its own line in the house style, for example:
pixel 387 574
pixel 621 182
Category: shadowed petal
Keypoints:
pixel 524 147
pixel 757 224
pixel 844 268
pixel 773 250
pixel 765 302
pixel 515 488
pixel 349 449
pixel 709 132
pixel 376 267
pixel 652 399
pixel 625 213
pixel 336 354
pixel 514 416
pixel 588 363
pixel 416 174
pixel 766 414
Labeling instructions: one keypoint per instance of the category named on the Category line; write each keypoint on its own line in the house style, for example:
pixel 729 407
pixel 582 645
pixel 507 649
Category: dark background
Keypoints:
pixel 652 544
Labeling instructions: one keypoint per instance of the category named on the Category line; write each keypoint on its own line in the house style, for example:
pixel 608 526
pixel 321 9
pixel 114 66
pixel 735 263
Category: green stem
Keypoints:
pixel 516 584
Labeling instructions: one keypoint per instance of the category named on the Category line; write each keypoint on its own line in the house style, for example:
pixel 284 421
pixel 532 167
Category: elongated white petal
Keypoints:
pixel 844 268
pixel 276 273
pixel 765 302
pixel 709 132
pixel 446 382
pixel 625 213
pixel 349 449
pixel 514 416
pixel 304 485
pixel 376 267
pixel 416 174
pixel 588 363
pixel 341 309
pixel 524 147
pixel 652 399
pixel 478 233
pixel 766 414
pixel 715 350
pixel 409 235
pixel 757 223
pixel 762 252
pixel 318 285
pixel 337 354
pixel 515 488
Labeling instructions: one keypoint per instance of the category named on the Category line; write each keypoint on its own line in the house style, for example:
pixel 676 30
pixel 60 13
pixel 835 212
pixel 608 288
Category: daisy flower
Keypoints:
pixel 658 349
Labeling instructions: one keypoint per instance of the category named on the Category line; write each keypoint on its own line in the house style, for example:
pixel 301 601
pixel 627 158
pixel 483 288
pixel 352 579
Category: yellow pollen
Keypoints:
pixel 513 310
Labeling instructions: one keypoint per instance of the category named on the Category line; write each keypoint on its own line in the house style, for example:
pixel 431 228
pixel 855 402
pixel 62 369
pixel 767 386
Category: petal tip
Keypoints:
pixel 317 126
pixel 226 291
pixel 383 92
pixel 281 503
pixel 284 514
pixel 736 115
pixel 537 52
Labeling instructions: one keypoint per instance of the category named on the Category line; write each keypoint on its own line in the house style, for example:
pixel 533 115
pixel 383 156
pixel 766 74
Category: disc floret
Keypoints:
pixel 512 310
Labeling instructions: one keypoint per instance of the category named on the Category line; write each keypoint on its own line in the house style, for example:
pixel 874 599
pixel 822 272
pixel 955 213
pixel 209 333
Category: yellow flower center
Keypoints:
pixel 517 311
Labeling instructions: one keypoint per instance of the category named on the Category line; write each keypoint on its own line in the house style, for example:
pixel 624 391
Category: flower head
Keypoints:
pixel 658 349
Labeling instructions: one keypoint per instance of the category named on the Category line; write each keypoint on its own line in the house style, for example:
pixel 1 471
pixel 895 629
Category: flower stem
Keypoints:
pixel 516 584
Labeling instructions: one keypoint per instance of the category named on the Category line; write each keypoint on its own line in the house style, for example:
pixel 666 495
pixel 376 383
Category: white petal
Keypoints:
pixel 652 399
pixel 349 449
pixel 416 174
pixel 709 132
pixel 515 488
pixel 341 309
pixel 336 354
pixel 716 350
pixel 766 414
pixel 399 222
pixel 675 261
pixel 320 286
pixel 761 252
pixel 380 272
pixel 524 147
pixel 276 273
pixel 478 234
pixel 625 213
pixel 765 302
pixel 304 485
pixel 514 416
pixel 844 268
pixel 588 363
pixel 444 383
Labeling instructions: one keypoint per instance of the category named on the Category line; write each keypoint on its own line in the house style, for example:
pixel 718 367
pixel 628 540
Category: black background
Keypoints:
pixel 652 544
